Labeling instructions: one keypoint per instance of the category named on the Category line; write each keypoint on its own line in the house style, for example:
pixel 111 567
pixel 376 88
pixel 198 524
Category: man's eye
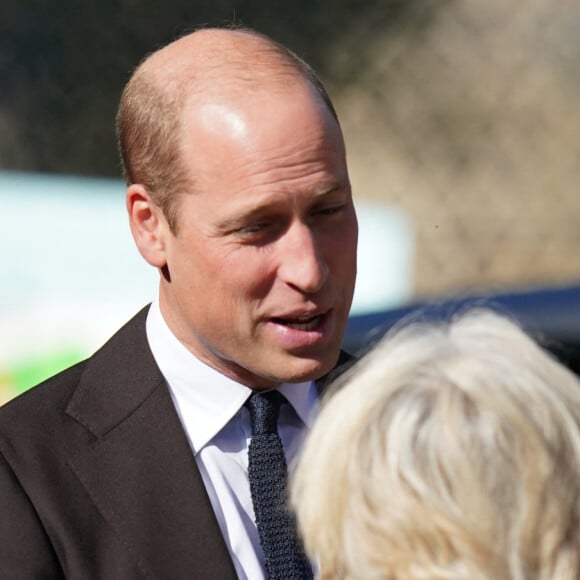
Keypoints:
pixel 332 210
pixel 258 233
pixel 253 228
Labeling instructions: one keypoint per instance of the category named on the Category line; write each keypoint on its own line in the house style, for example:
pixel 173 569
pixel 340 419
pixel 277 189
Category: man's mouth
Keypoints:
pixel 301 323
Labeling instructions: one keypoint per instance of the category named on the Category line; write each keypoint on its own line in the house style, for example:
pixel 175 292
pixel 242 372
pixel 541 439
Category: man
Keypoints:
pixel 133 464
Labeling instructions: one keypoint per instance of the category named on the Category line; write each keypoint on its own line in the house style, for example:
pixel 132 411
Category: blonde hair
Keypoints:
pixel 451 451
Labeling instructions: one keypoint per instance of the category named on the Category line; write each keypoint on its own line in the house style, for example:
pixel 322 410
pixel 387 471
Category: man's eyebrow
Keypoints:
pixel 244 216
pixel 329 189
pixel 249 213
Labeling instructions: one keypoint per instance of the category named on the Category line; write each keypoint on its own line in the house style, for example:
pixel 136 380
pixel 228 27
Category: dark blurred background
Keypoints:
pixel 64 63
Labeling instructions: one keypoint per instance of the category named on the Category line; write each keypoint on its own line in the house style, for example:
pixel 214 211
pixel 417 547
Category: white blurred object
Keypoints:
pixel 386 258
pixel 71 273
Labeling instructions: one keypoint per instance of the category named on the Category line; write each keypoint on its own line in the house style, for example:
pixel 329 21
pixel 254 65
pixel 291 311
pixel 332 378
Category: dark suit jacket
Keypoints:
pixel 97 479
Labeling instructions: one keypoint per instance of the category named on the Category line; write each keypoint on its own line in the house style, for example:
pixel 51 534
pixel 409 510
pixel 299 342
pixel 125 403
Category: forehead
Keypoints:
pixel 275 135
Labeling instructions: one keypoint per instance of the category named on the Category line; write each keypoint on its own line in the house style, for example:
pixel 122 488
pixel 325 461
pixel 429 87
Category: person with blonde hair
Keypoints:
pixel 451 451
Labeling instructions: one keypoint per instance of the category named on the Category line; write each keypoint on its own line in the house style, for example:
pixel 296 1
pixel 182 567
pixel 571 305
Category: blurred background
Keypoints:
pixel 462 127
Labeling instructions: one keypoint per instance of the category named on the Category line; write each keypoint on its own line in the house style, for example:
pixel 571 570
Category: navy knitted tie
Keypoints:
pixel 268 476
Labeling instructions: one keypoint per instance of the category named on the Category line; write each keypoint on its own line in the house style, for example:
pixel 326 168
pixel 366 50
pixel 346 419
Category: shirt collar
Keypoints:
pixel 205 399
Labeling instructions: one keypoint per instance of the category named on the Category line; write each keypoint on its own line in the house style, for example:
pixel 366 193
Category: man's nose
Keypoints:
pixel 302 264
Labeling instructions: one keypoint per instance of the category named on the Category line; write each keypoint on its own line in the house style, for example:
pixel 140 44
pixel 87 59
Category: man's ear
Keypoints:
pixel 148 225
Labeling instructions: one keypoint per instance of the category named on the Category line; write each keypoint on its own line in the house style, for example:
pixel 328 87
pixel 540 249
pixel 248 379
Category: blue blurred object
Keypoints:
pixel 551 315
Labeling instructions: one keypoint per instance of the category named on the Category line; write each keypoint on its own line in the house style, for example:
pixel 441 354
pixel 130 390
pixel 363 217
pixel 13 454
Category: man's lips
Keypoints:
pixel 303 322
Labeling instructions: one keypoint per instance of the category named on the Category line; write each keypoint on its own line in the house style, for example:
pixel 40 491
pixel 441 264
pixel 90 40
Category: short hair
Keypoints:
pixel 451 451
pixel 149 119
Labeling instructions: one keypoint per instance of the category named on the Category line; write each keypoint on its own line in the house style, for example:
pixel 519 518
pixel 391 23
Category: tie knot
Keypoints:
pixel 264 409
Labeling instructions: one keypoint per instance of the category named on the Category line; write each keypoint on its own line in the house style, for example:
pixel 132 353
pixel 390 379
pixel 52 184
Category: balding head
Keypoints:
pixel 209 63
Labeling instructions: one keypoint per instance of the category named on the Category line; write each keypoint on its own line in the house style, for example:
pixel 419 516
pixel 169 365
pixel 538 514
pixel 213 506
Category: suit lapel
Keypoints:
pixel 139 469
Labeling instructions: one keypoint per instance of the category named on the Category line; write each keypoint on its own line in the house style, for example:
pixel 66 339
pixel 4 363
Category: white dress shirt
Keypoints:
pixel 211 408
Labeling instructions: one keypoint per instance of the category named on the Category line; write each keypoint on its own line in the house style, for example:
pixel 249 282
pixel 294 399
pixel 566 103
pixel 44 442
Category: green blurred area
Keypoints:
pixel 33 370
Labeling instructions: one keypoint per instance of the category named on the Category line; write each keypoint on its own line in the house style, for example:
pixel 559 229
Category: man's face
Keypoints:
pixel 262 267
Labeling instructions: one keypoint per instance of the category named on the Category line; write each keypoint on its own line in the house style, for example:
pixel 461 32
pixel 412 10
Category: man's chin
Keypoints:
pixel 284 367
pixel 308 369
